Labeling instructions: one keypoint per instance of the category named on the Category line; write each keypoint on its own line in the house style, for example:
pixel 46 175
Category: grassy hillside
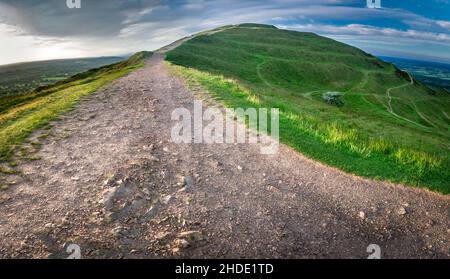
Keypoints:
pixel 23 77
pixel 385 125
pixel 21 115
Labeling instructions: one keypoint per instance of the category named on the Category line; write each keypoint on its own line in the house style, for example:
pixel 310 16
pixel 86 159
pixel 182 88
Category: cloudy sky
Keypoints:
pixel 48 29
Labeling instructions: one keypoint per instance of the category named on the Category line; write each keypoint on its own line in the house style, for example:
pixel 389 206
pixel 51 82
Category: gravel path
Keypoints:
pixel 110 180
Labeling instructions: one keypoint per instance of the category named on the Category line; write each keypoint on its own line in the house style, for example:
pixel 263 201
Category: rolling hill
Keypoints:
pixel 20 115
pixel 23 77
pixel 436 75
pixel 383 123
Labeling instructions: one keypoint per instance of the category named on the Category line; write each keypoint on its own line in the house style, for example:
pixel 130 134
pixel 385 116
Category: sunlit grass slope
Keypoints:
pixel 389 126
pixel 21 115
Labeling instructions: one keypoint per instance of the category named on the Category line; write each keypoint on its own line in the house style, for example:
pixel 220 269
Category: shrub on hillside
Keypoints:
pixel 333 98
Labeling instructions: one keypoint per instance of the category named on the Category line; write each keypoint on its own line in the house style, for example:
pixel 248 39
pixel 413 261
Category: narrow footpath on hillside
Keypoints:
pixel 111 181
pixel 391 110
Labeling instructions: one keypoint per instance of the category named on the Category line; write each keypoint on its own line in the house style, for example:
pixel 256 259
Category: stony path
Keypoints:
pixel 111 181
pixel 391 110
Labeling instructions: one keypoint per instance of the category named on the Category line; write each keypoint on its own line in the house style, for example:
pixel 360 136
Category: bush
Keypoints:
pixel 333 98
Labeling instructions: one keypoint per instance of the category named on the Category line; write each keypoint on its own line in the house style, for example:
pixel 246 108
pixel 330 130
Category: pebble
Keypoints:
pixel 401 211
pixel 185 181
pixel 118 231
pixel 180 243
pixel 362 215
pixel 188 181
pixel 175 250
pixel 191 236
pixel 166 199
pixel 146 191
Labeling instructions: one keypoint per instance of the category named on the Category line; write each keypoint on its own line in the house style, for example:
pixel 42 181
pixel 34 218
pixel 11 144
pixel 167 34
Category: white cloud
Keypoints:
pixel 105 27
pixel 360 29
pixel 444 24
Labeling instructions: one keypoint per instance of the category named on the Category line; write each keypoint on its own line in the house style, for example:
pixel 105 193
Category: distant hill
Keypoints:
pixel 339 104
pixel 21 114
pixel 23 77
pixel 432 74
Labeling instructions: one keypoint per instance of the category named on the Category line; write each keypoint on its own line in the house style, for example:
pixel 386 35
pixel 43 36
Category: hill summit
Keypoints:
pixel 339 104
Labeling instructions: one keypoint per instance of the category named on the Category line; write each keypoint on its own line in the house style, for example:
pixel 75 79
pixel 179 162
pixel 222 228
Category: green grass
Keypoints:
pixel 21 115
pixel 254 66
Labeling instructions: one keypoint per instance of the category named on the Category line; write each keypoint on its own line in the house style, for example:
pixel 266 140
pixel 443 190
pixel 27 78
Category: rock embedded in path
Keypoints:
pixel 401 211
pixel 186 182
pixel 180 243
pixel 166 199
pixel 362 215
pixel 49 225
pixel 187 239
pixel 191 236
pixel 118 231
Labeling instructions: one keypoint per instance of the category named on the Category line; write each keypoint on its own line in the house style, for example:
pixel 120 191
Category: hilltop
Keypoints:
pixel 382 123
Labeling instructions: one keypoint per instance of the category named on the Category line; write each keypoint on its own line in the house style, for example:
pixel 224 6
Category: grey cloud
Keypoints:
pixel 129 25
pixel 54 18
pixel 107 18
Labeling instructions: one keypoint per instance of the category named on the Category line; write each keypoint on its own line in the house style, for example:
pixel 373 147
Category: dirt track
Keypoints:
pixel 111 181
